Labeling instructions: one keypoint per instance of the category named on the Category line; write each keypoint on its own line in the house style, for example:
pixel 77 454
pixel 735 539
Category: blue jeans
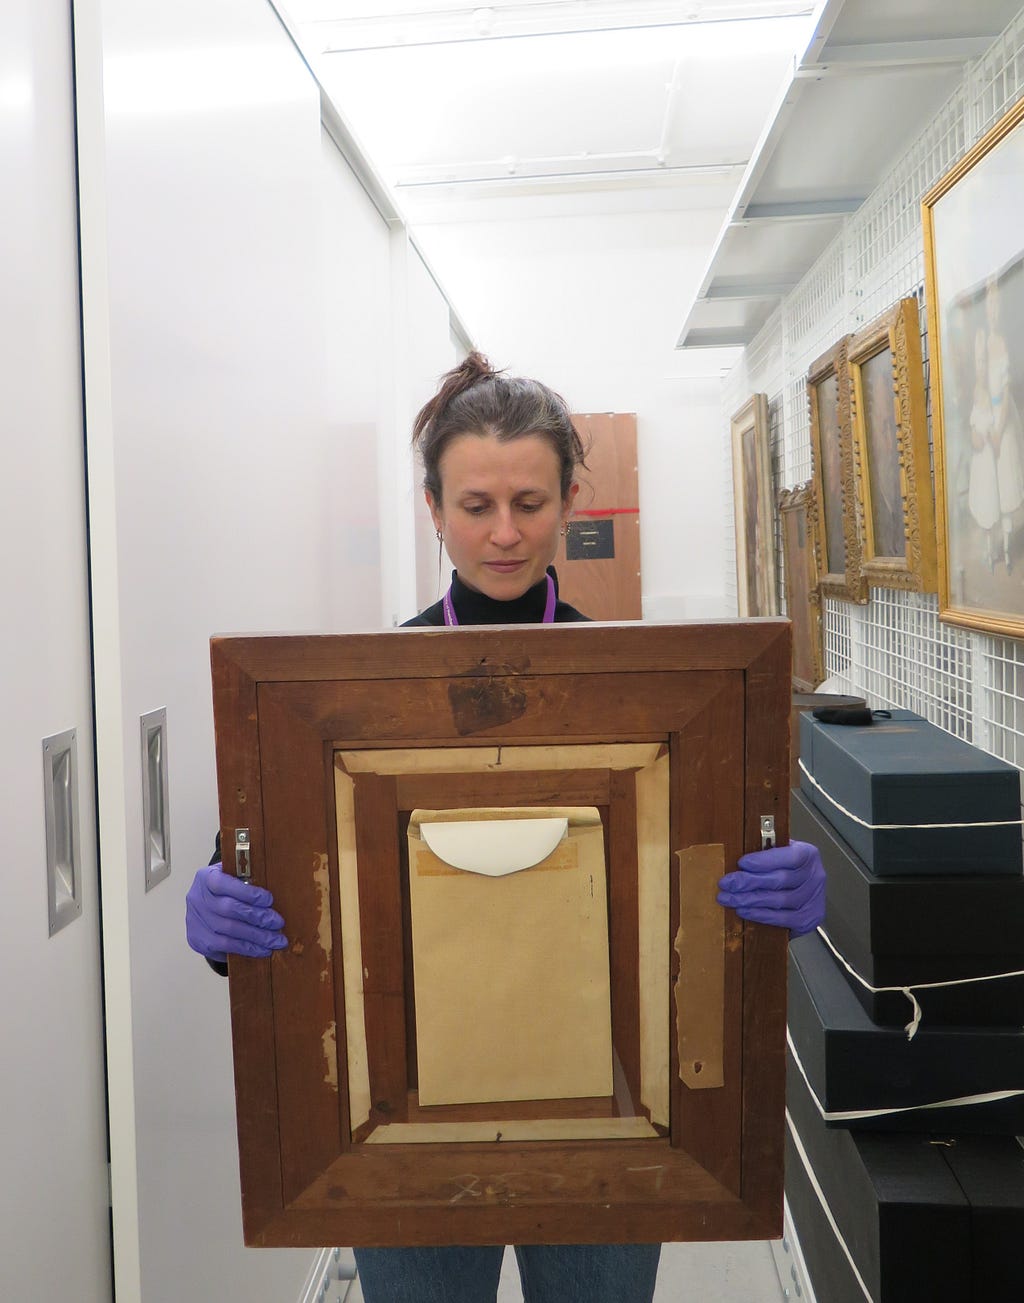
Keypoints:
pixel 550 1273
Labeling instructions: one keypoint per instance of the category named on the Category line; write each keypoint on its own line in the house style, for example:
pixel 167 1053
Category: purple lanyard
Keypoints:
pixel 451 619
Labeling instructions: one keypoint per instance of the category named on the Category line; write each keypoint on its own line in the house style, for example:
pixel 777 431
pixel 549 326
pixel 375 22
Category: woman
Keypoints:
pixel 500 456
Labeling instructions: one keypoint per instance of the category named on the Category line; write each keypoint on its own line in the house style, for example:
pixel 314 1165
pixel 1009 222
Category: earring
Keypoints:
pixel 439 536
pixel 565 529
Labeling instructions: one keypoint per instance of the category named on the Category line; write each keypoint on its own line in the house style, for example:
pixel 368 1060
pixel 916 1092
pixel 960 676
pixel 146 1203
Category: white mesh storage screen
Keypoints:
pixel 894 651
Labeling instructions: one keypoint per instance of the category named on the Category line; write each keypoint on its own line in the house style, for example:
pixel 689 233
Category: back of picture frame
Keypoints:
pixel 756 581
pixel 797 514
pixel 334 754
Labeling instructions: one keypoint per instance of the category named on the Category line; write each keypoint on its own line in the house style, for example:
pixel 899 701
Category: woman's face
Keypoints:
pixel 501 511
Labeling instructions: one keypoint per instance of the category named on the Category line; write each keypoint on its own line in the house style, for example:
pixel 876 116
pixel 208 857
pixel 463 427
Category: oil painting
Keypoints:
pixel 757 589
pixel 890 433
pixel 838 532
pixel 975 276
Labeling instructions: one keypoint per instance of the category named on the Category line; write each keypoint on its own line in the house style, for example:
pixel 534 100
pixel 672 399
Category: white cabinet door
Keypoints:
pixel 54 1213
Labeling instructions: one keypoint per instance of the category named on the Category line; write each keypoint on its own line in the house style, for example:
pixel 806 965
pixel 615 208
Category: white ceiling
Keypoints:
pixel 777 116
pixel 871 78
pixel 467 112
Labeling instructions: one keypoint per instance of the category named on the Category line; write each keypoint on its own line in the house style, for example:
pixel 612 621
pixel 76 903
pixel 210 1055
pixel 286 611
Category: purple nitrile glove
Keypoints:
pixel 224 915
pixel 784 885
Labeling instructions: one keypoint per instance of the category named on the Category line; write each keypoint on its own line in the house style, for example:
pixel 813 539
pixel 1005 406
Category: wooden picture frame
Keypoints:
pixel 797 515
pixel 756 581
pixel 890 439
pixel 974 273
pixel 678 736
pixel 838 534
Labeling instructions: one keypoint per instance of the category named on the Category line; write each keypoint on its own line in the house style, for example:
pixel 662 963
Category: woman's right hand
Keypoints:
pixel 225 916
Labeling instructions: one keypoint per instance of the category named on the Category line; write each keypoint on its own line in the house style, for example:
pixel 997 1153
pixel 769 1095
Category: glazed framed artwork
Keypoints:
pixel 890 439
pixel 974 266
pixel 797 516
pixel 511 1010
pixel 756 582
pixel 838 525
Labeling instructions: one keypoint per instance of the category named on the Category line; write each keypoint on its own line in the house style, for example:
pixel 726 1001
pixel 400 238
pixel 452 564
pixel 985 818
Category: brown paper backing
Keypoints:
pixel 513 995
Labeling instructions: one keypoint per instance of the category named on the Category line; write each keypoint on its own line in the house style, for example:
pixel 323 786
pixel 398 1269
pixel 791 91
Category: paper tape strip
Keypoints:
pixel 700 990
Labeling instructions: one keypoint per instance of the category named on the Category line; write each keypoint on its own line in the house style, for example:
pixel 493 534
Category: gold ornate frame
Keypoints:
pixel 896 332
pixel 798 516
pixel 847 583
pixel 961 609
pixel 752 498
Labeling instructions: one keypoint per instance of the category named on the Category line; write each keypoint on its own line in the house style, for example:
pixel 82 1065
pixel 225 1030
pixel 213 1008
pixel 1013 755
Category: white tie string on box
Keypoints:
pixel 820 1194
pixel 900 827
pixel 857 1115
pixel 909 989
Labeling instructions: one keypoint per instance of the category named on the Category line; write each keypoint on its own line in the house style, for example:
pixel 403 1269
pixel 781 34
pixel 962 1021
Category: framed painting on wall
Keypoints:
pixel 388 1088
pixel 756 584
pixel 800 579
pixel 890 431
pixel 974 266
pixel 838 532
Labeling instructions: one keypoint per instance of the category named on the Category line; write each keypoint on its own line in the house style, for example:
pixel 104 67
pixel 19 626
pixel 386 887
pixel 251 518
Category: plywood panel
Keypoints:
pixel 608 504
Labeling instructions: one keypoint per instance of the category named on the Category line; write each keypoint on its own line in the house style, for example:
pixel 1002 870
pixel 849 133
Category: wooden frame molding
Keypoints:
pixel 835 481
pixel 678 736
pixel 798 518
pixel 974 351
pixel 893 341
pixel 757 589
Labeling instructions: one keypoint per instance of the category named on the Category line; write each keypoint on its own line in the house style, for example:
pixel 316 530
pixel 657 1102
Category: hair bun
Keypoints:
pixel 474 366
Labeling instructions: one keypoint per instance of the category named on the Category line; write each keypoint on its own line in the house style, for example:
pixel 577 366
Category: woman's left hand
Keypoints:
pixel 784 885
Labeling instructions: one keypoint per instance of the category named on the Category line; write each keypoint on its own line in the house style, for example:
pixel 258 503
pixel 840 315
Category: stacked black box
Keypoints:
pixel 890 1194
pixel 921 929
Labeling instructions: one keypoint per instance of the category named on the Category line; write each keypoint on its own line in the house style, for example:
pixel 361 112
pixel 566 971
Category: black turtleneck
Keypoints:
pixel 472 607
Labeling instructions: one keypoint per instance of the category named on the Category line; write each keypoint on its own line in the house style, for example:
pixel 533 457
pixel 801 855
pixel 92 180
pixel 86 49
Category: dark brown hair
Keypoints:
pixel 475 399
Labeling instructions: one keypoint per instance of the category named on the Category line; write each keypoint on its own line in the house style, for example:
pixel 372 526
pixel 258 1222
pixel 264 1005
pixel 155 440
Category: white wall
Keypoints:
pixel 53 1187
pixel 432 353
pixel 238 344
pixel 357 359
pixel 611 348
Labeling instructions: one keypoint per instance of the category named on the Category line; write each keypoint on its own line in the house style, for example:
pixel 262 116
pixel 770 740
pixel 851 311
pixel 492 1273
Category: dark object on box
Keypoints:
pixel 850 715
pixel 852 1065
pixel 896 931
pixel 906 771
pixel 810 701
pixel 898 1207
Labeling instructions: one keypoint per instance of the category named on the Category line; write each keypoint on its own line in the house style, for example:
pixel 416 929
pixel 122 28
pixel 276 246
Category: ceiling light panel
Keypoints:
pixel 584 103
pixel 555 96
pixel 334 25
